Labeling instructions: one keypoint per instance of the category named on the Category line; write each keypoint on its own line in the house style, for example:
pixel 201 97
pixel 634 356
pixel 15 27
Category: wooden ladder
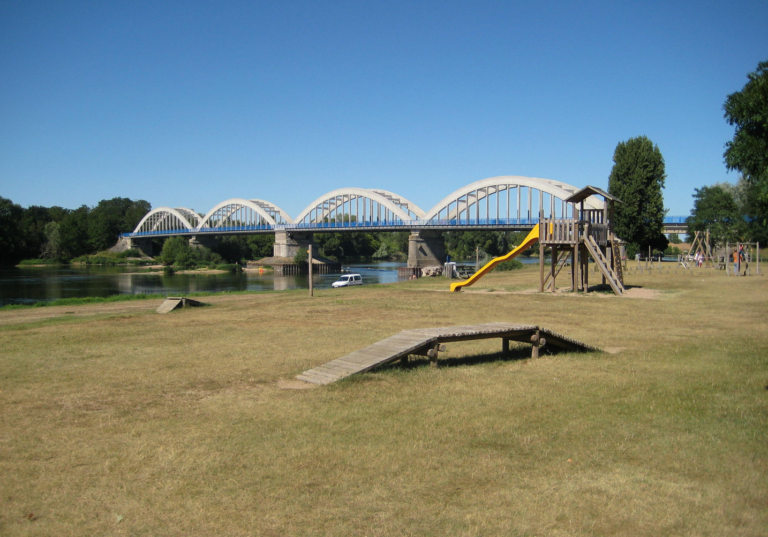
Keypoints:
pixel 562 258
pixel 611 277
pixel 618 267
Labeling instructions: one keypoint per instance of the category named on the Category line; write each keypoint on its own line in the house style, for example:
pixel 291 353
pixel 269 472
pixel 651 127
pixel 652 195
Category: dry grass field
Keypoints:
pixel 115 420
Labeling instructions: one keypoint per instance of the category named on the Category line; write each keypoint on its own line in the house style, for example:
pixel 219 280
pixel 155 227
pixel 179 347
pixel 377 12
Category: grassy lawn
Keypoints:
pixel 117 421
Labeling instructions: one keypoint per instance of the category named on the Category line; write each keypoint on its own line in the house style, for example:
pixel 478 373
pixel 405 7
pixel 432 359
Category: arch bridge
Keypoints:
pixel 498 203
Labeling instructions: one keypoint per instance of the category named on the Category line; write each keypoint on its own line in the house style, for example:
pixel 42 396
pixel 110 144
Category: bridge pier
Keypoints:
pixel 426 248
pixel 144 245
pixel 287 243
pixel 203 241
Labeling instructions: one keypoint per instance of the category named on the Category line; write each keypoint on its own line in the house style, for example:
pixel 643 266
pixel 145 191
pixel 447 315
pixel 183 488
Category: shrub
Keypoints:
pixel 512 264
pixel 233 268
pixel 40 262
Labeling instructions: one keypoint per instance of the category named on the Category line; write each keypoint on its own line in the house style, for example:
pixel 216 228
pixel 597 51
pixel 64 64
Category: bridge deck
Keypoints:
pixel 421 340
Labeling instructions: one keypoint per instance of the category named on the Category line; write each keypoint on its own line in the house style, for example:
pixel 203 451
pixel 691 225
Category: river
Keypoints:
pixel 27 285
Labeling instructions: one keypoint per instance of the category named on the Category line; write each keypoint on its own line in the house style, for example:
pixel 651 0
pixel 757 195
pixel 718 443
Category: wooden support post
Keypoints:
pixel 575 269
pixel 757 267
pixel 541 266
pixel 433 353
pixel 505 345
pixel 311 283
pixel 536 343
pixel 586 271
pixel 553 267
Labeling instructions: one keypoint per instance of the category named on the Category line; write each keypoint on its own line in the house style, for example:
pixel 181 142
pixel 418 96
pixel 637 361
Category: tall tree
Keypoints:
pixel 748 151
pixel 715 209
pixel 73 233
pixel 11 232
pixel 110 218
pixel 637 179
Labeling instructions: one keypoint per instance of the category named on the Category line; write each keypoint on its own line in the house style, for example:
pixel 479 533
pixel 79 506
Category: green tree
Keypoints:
pixel 11 239
pixel 175 249
pixel 52 246
pixel 73 231
pixel 337 245
pixel 392 245
pixel 637 179
pixel 463 244
pixel 301 257
pixel 747 153
pixel 112 217
pixel 237 248
pixel 715 209
pixel 33 225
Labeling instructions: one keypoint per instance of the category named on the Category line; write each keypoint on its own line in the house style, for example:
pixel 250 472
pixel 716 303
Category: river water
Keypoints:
pixel 26 285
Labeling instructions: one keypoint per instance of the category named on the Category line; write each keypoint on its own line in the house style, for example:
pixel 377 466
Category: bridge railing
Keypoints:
pixel 559 236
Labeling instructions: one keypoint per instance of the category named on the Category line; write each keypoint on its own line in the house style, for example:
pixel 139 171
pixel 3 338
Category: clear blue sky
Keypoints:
pixel 190 103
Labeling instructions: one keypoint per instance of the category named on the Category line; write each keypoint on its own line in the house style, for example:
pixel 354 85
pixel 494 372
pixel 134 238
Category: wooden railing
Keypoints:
pixel 558 231
pixel 599 232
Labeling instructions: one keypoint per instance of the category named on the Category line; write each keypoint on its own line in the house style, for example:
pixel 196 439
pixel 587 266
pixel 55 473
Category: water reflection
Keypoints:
pixel 33 284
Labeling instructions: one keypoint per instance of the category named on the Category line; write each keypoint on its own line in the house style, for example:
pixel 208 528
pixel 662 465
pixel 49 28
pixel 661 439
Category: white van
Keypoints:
pixel 347 280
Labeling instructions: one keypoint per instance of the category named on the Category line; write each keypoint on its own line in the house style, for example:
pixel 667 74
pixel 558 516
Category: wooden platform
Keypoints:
pixel 430 341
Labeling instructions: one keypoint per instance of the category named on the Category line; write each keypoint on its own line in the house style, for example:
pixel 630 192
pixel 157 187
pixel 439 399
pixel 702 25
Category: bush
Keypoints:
pixel 512 264
pixel 301 257
pixel 168 270
pixel 40 262
pixel 233 268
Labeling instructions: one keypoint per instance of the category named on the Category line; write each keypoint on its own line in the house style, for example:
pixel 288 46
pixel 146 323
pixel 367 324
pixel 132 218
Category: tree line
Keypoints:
pixel 59 234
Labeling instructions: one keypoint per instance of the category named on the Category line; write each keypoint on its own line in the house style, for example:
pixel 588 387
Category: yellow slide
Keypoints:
pixel 532 238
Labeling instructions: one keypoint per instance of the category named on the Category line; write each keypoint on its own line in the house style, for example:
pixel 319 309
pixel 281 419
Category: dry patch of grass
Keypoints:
pixel 115 420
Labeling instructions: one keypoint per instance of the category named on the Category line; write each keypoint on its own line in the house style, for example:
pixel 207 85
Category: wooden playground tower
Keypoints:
pixel 588 233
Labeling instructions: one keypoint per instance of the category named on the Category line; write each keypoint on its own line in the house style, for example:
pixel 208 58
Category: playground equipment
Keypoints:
pixel 720 258
pixel 587 233
pixel 530 240
pixel 430 342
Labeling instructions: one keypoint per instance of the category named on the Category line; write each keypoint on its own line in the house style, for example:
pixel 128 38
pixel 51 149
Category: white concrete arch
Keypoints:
pixel 408 205
pixel 192 217
pixel 330 202
pixel 272 208
pixel 162 217
pixel 471 194
pixel 231 206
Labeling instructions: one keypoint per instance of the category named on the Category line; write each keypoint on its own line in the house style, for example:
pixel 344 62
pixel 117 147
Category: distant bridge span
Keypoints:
pixel 506 203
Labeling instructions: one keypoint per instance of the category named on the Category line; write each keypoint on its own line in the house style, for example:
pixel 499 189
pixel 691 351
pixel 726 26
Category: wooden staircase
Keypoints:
pixel 602 263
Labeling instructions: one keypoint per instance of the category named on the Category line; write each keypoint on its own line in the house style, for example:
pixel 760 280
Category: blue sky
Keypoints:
pixel 191 103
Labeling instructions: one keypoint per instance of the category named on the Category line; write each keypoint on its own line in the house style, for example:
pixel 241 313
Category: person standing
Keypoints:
pixel 741 258
pixel 735 262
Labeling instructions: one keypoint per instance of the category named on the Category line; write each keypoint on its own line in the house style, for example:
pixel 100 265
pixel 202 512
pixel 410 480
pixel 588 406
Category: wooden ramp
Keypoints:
pixel 174 302
pixel 430 341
